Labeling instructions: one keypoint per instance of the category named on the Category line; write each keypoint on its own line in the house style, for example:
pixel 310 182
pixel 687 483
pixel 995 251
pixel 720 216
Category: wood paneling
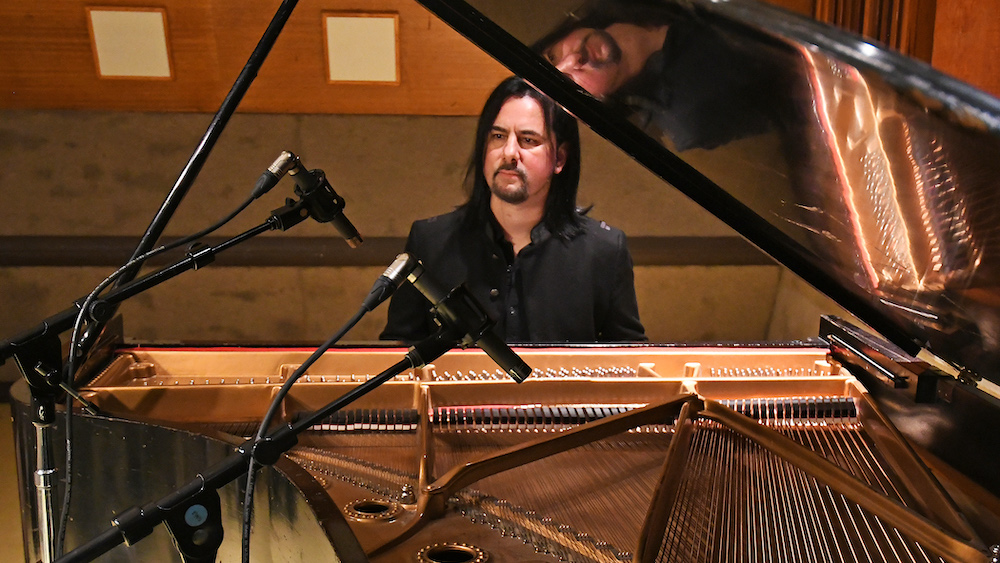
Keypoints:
pixel 906 26
pixel 804 7
pixel 967 42
pixel 46 61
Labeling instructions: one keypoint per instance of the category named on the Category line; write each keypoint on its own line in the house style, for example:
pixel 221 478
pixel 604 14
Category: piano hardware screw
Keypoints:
pixel 407 496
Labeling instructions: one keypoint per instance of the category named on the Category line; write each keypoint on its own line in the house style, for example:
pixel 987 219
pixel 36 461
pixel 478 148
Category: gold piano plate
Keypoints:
pixel 605 454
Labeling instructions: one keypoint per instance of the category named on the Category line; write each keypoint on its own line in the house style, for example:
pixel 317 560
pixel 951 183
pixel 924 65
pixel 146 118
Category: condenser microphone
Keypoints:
pixel 274 173
pixel 322 201
pixel 391 278
pixel 460 311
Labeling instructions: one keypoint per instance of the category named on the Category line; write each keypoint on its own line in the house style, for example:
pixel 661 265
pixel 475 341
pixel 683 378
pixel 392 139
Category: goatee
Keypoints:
pixel 510 193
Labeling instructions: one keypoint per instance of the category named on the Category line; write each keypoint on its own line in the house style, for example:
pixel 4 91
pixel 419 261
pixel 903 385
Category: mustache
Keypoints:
pixel 512 168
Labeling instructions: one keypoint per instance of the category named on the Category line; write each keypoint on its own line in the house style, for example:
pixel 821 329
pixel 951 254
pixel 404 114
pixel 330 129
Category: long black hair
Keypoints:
pixel 599 14
pixel 561 215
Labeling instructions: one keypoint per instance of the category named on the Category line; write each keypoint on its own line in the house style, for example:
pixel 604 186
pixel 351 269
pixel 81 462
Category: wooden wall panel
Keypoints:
pixel 441 72
pixel 46 61
pixel 804 7
pixel 906 26
pixel 967 42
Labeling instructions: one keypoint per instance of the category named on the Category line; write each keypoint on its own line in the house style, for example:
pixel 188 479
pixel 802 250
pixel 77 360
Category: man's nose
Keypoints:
pixel 569 62
pixel 511 149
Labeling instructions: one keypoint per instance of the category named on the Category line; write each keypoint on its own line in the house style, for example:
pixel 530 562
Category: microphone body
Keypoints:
pixel 270 177
pixel 460 311
pixel 391 279
pixel 323 202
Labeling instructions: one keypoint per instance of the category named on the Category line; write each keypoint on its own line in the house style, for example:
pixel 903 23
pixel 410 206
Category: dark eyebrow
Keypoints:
pixel 523 132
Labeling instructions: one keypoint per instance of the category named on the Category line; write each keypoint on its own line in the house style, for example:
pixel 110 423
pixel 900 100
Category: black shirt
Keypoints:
pixel 554 290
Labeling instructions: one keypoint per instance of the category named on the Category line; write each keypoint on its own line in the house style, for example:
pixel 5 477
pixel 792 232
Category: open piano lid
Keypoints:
pixel 871 175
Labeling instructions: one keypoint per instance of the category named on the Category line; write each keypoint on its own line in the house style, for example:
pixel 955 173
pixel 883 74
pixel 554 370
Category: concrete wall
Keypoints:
pixel 92 173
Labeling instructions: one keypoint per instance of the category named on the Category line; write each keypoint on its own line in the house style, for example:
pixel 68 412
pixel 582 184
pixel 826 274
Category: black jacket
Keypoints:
pixel 555 290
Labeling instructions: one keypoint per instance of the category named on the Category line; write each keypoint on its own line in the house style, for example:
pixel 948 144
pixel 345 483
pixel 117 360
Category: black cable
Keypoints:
pixel 269 416
pixel 70 370
pixel 383 287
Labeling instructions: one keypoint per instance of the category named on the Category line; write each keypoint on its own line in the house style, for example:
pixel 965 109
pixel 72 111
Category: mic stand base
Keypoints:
pixel 45 479
pixel 33 358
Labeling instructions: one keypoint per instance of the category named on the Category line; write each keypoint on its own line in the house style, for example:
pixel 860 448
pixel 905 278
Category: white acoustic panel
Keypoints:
pixel 362 47
pixel 130 42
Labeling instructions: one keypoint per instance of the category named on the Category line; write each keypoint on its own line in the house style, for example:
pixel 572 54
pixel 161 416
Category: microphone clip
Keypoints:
pixel 322 203
pixel 319 198
pixel 462 312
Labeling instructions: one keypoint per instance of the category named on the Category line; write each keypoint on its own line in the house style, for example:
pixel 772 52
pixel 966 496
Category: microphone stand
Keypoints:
pixel 197 160
pixel 199 538
pixel 38 352
pixel 218 124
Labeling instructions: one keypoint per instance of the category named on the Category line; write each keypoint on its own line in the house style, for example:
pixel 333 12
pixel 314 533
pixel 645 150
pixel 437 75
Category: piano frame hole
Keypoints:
pixel 452 553
pixel 372 509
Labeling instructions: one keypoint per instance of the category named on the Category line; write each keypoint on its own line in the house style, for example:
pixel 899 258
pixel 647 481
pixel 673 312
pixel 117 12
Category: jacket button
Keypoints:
pixel 494 293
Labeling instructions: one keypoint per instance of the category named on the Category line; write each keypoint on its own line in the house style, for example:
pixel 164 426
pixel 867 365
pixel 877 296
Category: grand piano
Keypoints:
pixel 873 441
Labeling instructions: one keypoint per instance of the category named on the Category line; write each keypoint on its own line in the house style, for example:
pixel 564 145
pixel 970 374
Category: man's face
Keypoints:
pixel 590 57
pixel 521 155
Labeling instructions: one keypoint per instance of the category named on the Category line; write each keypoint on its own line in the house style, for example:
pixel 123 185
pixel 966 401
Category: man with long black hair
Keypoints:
pixel 680 73
pixel 544 271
